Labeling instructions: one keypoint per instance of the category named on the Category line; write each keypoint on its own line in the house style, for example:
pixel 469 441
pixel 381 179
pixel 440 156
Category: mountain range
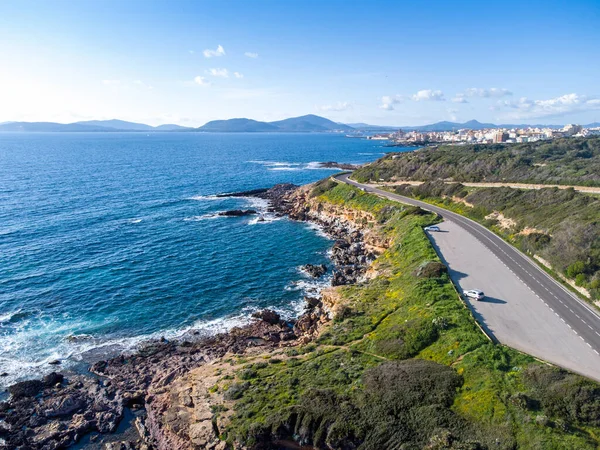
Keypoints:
pixel 307 123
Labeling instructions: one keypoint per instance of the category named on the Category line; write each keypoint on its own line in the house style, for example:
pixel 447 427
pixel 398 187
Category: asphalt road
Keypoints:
pixel 524 308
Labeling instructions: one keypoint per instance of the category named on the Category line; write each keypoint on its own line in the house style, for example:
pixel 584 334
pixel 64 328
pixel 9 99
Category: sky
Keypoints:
pixel 379 62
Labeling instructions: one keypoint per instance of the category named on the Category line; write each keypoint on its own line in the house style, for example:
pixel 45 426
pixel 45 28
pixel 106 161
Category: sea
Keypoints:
pixel 111 239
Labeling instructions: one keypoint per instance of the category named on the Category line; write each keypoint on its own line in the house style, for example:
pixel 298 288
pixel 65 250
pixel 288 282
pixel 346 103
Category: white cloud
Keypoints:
pixel 238 75
pixel 388 101
pixel 428 95
pixel 525 108
pixel 201 81
pixel 339 106
pixel 486 93
pixel 111 82
pixel 251 55
pixel 220 51
pixel 223 73
pixel 460 98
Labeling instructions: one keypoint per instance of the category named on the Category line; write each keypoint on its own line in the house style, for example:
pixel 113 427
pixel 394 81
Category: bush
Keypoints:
pixel 323 186
pixel 575 269
pixel 407 339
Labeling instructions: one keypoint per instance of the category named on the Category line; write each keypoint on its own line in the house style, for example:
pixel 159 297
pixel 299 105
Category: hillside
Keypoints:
pixel 118 125
pixel 308 123
pixel 29 127
pixel 572 161
pixel 237 125
pixel 402 364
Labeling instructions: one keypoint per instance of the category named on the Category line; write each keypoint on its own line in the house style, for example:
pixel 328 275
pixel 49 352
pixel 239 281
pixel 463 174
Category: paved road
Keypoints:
pixel 525 308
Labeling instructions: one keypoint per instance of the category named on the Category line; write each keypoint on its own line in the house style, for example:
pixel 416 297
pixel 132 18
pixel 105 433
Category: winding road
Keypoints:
pixel 524 308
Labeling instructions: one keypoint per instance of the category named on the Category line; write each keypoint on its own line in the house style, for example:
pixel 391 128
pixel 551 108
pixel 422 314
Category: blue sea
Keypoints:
pixel 108 239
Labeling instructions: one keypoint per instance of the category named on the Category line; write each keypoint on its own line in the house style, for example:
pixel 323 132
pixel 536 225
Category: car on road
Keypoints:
pixel 432 228
pixel 475 294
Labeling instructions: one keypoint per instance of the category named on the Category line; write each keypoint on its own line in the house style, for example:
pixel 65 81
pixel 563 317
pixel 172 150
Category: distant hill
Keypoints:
pixel 448 126
pixel 120 125
pixel 308 123
pixel 29 127
pixel 237 125
pixel 366 127
pixel 171 127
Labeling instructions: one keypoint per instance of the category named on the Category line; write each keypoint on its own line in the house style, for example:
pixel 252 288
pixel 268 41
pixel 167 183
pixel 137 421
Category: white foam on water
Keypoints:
pixel 285 168
pixel 206 197
pixel 6 317
pixel 318 230
pixel 135 220
pixel 209 216
pixel 256 202
pixel 266 218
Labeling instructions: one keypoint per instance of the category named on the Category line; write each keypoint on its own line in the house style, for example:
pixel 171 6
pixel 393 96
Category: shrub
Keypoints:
pixel 575 269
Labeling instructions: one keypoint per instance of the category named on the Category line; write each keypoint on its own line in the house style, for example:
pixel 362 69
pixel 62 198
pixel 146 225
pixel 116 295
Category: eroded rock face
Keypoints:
pixel 59 413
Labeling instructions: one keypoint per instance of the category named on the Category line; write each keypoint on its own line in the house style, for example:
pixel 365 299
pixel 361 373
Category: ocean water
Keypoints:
pixel 110 239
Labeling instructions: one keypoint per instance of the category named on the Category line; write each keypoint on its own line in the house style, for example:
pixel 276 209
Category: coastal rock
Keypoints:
pixel 315 271
pixel 267 315
pixel 337 165
pixel 238 212
pixel 52 379
pixel 23 389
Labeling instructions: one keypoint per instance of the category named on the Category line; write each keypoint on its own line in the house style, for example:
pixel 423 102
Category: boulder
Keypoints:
pixel 267 315
pixel 238 212
pixel 315 270
pixel 52 379
pixel 24 389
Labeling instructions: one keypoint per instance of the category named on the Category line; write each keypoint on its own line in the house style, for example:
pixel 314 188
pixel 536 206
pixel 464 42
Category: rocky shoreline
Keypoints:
pixel 57 411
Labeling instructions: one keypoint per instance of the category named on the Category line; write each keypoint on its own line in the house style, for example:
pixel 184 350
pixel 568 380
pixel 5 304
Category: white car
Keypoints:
pixel 475 294
pixel 432 228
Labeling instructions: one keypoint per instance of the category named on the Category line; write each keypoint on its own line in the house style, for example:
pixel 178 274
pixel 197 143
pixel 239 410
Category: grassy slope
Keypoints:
pixel 567 223
pixel 573 161
pixel 348 386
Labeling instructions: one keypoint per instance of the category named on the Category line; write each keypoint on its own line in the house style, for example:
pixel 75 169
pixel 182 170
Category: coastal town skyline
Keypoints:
pixel 367 63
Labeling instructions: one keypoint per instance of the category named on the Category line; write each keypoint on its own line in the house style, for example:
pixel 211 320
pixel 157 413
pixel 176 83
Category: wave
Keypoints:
pixel 318 230
pixel 209 216
pixel 292 166
pixel 8 317
pixel 206 197
pixel 264 219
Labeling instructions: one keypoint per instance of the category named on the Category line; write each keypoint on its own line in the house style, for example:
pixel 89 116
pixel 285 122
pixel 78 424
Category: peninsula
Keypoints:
pixel 388 356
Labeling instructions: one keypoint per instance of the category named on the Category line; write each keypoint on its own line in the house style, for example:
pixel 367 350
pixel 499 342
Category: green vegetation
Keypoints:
pixel 405 367
pixel 560 225
pixel 572 161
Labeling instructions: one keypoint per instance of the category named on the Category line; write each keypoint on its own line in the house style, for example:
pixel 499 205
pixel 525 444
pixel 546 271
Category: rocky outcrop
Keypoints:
pixel 57 412
pixel 238 212
pixel 314 270
pixel 337 165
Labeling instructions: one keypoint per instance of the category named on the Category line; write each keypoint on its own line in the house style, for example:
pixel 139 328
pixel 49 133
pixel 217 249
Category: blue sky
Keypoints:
pixel 382 62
